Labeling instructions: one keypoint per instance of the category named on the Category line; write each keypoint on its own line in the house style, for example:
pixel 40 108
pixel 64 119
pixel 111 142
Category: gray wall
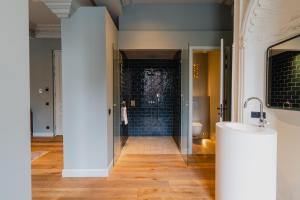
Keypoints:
pixel 111 38
pixel 174 26
pixel 15 167
pixel 171 39
pixel 86 73
pixel 41 76
pixel 175 17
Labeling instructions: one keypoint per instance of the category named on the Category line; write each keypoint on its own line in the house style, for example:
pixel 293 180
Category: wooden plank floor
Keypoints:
pixel 150 145
pixel 135 177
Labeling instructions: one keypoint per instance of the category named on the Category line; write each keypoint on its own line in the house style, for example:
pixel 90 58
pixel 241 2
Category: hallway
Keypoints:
pixel 135 177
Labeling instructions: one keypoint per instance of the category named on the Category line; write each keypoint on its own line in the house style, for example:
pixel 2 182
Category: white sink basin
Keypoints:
pixel 246 160
pixel 245 128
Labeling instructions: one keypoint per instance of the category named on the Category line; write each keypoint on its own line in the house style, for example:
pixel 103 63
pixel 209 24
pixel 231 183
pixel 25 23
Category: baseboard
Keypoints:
pixel 42 134
pixel 88 172
pixel 85 173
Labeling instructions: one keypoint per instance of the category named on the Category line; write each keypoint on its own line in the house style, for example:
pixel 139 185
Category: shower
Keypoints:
pixel 151 78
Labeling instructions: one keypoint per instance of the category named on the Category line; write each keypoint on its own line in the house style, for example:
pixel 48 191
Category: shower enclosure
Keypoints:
pixel 154 86
pixel 151 92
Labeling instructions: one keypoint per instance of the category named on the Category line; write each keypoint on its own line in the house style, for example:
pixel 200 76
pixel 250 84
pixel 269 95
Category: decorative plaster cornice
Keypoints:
pixel 61 8
pixel 242 43
pixel 259 20
pixel 47 31
pixel 64 8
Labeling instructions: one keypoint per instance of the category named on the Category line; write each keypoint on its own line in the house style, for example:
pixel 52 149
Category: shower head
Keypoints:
pixel 150 72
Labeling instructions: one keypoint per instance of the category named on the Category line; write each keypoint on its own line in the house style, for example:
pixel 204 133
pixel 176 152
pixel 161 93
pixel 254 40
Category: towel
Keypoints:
pixel 124 115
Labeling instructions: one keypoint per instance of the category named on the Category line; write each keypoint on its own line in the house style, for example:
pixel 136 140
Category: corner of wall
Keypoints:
pixel 110 42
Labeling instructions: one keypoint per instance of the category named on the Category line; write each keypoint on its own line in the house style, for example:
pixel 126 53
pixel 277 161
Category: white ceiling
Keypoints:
pixel 39 13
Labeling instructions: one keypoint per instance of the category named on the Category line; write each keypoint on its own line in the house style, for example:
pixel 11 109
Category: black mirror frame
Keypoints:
pixel 267 73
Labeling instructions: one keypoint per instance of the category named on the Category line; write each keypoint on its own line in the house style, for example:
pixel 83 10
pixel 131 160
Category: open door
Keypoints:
pixel 225 83
pixel 227 90
pixel 185 103
pixel 221 107
pixel 58 110
pixel 116 104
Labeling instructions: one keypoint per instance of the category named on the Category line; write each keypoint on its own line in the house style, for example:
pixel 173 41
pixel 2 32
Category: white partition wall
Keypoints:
pixel 87 63
pixel 15 170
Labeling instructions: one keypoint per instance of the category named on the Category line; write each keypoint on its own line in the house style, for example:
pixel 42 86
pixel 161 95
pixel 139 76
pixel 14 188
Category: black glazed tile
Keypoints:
pixel 285 79
pixel 143 80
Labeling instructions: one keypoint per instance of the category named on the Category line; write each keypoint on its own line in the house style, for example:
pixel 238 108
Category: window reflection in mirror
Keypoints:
pixel 283 75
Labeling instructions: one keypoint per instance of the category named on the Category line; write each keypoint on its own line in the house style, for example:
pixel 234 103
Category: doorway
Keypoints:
pixel 58 109
pixel 150 92
pixel 210 97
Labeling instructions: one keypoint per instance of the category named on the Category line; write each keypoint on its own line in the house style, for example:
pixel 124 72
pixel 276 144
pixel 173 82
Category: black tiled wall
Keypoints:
pixel 154 85
pixel 285 80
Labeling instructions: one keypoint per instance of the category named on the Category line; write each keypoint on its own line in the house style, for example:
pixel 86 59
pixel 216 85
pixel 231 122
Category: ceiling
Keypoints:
pixel 39 13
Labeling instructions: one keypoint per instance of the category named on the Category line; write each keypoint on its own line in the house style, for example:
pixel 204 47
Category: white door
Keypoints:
pixel 58 112
pixel 117 136
pixel 222 107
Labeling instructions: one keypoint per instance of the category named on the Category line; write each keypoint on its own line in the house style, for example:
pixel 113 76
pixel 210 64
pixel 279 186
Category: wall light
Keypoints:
pixel 196 72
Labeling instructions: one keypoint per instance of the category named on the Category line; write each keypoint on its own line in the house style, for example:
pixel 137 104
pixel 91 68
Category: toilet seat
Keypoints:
pixel 197 124
pixel 197 129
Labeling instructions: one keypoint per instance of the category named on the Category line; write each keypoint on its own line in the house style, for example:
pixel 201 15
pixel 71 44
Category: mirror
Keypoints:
pixel 283 75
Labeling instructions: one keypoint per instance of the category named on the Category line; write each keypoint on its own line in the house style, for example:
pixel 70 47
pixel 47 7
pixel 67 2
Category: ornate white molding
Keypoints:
pixel 242 43
pixel 47 31
pixel 61 8
pixel 265 22
pixel 64 8
pixel 259 15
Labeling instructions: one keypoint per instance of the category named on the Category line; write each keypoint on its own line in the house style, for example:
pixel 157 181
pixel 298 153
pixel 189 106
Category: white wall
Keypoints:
pixel 41 76
pixel 293 44
pixel 86 72
pixel 266 30
pixel 15 167
pixel 164 26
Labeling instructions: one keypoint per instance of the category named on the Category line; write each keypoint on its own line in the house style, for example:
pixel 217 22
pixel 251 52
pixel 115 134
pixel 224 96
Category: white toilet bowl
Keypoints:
pixel 197 129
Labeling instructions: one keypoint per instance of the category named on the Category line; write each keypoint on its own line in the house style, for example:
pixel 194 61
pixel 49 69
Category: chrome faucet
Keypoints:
pixel 262 121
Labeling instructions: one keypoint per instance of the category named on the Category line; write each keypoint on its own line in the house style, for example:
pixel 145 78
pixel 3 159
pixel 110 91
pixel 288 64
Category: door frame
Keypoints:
pixel 55 91
pixel 191 49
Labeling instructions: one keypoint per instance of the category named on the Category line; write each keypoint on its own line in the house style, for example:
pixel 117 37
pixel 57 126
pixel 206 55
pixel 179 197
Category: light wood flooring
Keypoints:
pixel 135 177
pixel 204 146
pixel 150 145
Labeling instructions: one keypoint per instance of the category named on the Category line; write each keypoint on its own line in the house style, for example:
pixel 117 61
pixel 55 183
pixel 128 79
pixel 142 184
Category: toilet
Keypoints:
pixel 197 129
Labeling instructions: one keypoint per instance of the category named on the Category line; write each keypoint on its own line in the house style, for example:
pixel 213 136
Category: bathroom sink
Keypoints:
pixel 246 162
pixel 245 128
